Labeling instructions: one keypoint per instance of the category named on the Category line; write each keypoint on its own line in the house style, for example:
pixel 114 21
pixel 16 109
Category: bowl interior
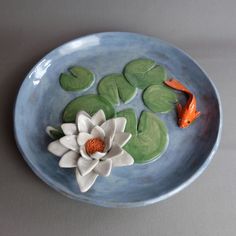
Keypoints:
pixel 41 100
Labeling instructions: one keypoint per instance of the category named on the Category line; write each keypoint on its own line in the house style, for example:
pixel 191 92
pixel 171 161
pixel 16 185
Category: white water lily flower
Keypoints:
pixel 93 146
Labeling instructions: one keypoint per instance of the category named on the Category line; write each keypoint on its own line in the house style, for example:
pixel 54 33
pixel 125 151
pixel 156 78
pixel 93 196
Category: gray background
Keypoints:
pixel 205 29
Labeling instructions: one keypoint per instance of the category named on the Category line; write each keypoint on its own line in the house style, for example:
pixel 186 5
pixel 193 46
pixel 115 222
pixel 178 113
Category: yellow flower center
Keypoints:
pixel 94 145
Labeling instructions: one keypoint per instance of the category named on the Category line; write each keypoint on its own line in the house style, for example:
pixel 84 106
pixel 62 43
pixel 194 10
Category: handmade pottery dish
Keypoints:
pixel 186 153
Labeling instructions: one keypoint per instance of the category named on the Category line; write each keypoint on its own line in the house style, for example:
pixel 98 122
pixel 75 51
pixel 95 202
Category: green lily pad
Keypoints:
pixel 142 73
pixel 149 140
pixel 89 103
pixel 159 98
pixel 115 87
pixel 78 79
pixel 131 125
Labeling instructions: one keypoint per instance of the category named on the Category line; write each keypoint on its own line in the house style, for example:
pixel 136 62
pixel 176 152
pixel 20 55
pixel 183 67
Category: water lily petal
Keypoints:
pixel 83 138
pixel 98 132
pixel 103 168
pixel 109 128
pixel 85 166
pixel 125 159
pixel 85 182
pixel 98 118
pixel 84 113
pixel 115 150
pixel 69 128
pixel 70 142
pixel 57 148
pixel 84 154
pixel 69 160
pixel 108 142
pixel 84 123
pixel 98 155
pixel 121 138
pixel 120 124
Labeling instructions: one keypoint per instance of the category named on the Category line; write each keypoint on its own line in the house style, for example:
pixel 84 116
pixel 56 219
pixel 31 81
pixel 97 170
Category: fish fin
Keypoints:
pixel 175 84
pixel 198 113
pixel 179 109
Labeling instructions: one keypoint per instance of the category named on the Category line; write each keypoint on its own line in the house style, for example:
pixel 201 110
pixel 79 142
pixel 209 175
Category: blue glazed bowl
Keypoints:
pixel 41 100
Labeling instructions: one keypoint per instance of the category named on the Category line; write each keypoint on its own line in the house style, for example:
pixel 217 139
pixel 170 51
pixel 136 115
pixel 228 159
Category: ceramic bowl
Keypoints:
pixel 41 100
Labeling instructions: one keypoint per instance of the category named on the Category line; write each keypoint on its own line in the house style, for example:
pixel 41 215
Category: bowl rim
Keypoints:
pixel 140 203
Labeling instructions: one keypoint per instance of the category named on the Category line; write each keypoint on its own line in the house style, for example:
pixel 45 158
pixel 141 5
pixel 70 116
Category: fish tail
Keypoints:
pixel 175 84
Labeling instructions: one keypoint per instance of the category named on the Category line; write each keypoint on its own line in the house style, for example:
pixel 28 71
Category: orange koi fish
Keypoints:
pixel 188 113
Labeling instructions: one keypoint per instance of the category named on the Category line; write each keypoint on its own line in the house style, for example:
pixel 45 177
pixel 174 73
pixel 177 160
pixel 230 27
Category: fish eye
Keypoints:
pixel 188 121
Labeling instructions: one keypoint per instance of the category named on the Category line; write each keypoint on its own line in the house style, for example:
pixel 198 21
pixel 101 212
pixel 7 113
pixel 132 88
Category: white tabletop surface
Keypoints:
pixel 205 29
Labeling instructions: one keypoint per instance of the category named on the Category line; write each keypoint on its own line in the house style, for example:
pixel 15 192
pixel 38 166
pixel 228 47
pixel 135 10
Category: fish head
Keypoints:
pixel 185 120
